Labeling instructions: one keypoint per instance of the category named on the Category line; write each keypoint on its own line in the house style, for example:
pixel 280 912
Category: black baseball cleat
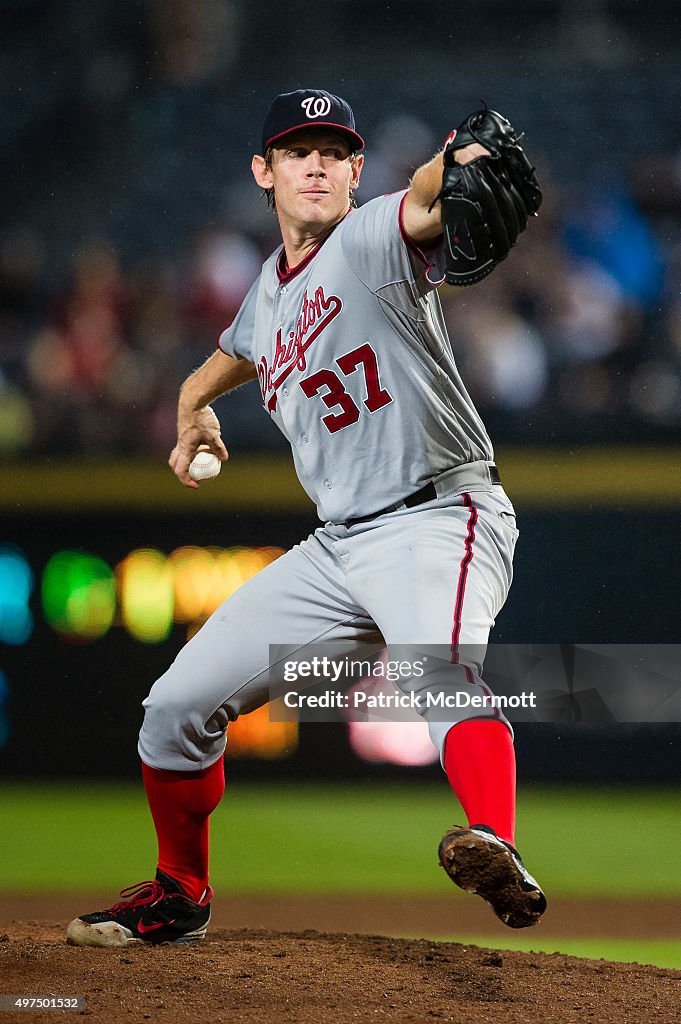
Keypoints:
pixel 478 861
pixel 153 912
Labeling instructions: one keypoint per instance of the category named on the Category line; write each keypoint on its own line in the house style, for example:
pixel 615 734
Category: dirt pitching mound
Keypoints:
pixel 258 976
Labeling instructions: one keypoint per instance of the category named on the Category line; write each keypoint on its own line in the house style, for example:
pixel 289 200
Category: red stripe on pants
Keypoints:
pixel 463 575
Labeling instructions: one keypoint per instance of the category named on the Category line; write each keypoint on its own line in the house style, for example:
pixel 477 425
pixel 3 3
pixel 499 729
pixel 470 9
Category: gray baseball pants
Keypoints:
pixel 437 574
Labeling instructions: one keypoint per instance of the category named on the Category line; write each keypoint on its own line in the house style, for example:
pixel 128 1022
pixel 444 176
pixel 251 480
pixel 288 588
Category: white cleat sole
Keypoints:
pixel 113 935
pixel 109 933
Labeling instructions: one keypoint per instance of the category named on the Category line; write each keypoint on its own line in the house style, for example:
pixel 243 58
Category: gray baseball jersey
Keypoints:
pixel 356 369
pixel 355 366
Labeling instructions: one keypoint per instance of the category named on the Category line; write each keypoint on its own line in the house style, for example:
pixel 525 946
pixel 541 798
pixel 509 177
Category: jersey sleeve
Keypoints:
pixel 237 339
pixel 377 246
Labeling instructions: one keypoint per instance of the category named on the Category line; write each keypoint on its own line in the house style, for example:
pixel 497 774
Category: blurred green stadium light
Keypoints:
pixel 78 595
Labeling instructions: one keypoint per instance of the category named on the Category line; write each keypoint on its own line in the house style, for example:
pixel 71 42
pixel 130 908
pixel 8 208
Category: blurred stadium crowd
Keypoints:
pixel 132 230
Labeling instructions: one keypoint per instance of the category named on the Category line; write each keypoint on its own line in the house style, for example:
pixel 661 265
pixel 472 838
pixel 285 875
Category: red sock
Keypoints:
pixel 181 804
pixel 480 765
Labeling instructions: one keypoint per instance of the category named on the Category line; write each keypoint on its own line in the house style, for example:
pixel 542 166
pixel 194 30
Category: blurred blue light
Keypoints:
pixel 16 584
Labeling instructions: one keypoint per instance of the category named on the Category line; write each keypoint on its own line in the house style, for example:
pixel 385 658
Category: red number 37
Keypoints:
pixel 336 395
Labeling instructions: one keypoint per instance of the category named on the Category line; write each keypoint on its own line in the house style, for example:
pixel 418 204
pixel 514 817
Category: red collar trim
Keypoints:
pixel 286 273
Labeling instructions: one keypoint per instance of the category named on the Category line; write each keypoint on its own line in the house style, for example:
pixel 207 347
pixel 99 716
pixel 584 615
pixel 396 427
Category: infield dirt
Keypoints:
pixel 253 976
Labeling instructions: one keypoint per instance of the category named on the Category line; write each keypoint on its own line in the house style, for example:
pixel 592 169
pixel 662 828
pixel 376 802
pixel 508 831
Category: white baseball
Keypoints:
pixel 204 466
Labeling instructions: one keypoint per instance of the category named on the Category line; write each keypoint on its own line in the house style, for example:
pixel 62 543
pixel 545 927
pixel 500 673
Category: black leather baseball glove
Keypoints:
pixel 485 203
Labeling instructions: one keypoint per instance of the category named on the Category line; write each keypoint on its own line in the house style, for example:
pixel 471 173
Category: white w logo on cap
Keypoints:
pixel 316 106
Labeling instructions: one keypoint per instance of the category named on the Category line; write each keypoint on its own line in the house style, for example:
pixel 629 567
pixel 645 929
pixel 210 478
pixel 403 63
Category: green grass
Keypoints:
pixel 658 952
pixel 354 839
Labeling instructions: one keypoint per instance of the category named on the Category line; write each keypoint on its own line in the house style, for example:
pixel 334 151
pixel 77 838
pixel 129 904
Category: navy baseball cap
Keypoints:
pixel 309 108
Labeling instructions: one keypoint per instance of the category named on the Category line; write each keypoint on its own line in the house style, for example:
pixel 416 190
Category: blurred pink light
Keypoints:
pixel 406 743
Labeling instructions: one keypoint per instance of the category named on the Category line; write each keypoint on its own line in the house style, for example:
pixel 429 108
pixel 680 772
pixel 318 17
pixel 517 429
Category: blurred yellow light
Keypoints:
pixel 145 588
pixel 193 570
pixel 205 577
pixel 255 736
pixel 234 567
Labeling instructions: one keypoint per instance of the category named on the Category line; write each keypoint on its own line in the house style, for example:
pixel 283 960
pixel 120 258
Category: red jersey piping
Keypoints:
pixel 411 244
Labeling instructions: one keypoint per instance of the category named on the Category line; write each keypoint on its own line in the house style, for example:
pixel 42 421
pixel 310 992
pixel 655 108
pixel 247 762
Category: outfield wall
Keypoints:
pixel 593 566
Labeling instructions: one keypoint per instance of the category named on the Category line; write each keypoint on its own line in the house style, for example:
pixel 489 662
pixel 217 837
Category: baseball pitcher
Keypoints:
pixel 344 334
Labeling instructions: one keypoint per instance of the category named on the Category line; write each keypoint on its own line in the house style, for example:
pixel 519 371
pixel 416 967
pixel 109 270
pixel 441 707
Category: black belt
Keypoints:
pixel 427 493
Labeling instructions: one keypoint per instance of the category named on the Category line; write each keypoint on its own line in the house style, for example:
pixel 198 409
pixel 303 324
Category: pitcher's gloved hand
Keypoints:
pixel 484 203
